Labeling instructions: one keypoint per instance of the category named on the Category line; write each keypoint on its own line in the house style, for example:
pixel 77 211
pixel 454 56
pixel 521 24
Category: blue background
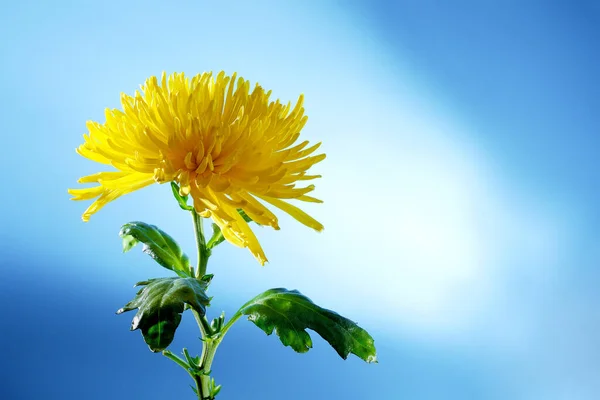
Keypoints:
pixel 461 197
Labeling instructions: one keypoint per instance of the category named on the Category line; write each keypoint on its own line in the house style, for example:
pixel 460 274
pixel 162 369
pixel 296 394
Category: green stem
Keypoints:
pixel 210 343
pixel 209 355
pixel 203 251
pixel 200 388
pixel 197 379
pixel 208 348
pixel 203 325
pixel 200 371
pixel 210 339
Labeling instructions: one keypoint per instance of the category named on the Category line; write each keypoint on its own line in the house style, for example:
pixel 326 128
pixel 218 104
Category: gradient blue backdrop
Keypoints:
pixel 461 197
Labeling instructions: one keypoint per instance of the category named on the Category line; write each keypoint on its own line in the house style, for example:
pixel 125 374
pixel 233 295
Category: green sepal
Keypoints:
pixel 290 313
pixel 217 323
pixel 160 304
pixel 207 279
pixel 217 236
pixel 244 215
pixel 213 388
pixel 158 245
pixel 181 200
pixel 193 362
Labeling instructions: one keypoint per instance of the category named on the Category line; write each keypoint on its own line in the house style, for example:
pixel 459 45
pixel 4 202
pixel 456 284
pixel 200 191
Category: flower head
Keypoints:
pixel 226 147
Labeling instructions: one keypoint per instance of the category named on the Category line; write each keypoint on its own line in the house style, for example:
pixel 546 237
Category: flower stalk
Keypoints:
pixel 210 337
pixel 202 379
pixel 203 250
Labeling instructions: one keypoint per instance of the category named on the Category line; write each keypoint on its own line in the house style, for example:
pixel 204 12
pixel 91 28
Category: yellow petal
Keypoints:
pixel 295 212
pixel 119 187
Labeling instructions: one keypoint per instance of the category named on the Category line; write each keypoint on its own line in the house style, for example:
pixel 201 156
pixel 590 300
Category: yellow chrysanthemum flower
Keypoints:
pixel 227 147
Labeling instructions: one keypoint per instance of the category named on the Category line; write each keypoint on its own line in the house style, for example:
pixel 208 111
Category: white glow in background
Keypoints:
pixel 424 235
pixel 420 229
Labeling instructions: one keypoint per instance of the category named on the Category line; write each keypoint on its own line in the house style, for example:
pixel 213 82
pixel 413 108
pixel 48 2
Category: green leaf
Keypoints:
pixel 160 304
pixel 158 245
pixel 181 200
pixel 290 313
